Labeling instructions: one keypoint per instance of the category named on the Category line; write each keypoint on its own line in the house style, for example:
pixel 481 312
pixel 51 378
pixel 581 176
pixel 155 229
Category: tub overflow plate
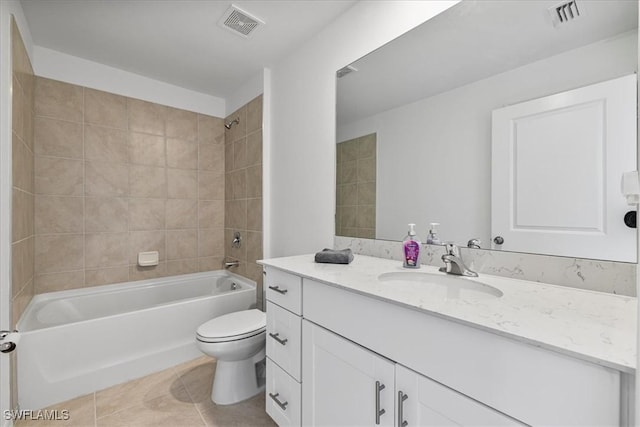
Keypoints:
pixel 9 341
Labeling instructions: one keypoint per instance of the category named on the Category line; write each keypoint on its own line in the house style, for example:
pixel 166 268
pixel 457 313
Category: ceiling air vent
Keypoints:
pixel 565 12
pixel 240 22
pixel 345 70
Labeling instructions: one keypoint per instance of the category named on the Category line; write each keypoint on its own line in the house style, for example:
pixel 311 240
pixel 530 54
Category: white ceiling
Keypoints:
pixel 469 42
pixel 178 41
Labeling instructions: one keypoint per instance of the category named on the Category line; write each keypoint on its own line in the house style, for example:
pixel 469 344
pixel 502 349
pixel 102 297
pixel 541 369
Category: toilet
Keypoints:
pixel 237 342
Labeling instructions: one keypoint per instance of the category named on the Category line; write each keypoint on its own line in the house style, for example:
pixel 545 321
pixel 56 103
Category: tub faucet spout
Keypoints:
pixel 229 264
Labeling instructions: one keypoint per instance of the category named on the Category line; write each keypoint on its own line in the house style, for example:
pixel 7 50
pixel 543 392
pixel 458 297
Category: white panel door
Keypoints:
pixel 557 163
pixel 424 402
pixel 344 384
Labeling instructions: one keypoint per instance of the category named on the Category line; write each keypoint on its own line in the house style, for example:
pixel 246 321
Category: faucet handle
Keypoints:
pixel 452 249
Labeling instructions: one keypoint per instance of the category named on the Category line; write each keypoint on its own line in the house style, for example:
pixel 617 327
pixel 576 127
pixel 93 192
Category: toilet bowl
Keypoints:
pixel 237 342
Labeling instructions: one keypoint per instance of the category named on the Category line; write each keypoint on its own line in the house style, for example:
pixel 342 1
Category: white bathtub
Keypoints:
pixel 79 341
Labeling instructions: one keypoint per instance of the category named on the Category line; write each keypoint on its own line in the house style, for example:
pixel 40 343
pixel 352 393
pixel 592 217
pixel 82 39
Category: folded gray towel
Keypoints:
pixel 334 256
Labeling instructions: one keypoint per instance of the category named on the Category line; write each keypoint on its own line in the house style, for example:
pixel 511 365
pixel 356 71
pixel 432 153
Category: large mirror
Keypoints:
pixel 492 119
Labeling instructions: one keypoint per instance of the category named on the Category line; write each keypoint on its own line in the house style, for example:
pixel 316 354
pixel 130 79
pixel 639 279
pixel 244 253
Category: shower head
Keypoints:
pixel 232 122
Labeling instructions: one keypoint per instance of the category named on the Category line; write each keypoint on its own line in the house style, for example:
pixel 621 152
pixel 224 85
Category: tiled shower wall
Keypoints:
pixel 115 176
pixel 22 233
pixel 356 187
pixel 243 164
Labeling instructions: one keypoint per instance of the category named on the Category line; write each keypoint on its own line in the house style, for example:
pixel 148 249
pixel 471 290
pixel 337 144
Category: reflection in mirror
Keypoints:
pixel 431 97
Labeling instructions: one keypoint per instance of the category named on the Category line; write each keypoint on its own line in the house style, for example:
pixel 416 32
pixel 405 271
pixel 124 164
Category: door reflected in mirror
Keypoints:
pixel 428 97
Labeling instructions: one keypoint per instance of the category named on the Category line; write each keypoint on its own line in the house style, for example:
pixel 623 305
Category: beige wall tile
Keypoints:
pixel 58 100
pixel 211 157
pixel 182 213
pixel 349 216
pixel 349 172
pixel 366 216
pixel 20 302
pixel 145 241
pixel 182 154
pixel 210 263
pixel 182 184
pixel 182 124
pixel 254 214
pixel 17 109
pixel 106 249
pixel 146 149
pixel 211 185
pixel 182 244
pixel 106 276
pixel 182 266
pixel 58 253
pixel 141 273
pixel 349 194
pixel 253 240
pixel 57 176
pixel 254 114
pixel 106 214
pixel 147 181
pixel 240 154
pixel 367 193
pixel 210 242
pixel 105 144
pixel 367 170
pixel 22 264
pixel 146 117
pixel 236 214
pixel 236 185
pixel 254 181
pixel 58 214
pixel 58 138
pixel 58 281
pixel 210 130
pixel 21 65
pixel 22 161
pixel 367 146
pixel 228 158
pixel 254 148
pixel 146 214
pixel 23 218
pixel 105 108
pixel 106 179
pixel 350 150
pixel 211 214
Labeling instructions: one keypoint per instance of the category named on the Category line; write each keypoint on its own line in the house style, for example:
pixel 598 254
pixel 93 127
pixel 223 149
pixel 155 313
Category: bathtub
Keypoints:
pixel 79 341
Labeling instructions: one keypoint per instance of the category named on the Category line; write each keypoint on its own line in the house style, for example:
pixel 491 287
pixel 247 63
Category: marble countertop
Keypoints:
pixel 594 326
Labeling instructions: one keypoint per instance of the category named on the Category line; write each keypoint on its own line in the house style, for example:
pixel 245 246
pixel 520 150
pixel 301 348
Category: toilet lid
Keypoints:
pixel 237 325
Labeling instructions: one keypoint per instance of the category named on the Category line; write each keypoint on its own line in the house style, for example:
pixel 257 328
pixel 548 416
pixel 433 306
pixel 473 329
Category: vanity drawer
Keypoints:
pixel 283 398
pixel 284 338
pixel 284 289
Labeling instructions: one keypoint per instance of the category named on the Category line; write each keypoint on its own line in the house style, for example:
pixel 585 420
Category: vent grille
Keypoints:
pixel 565 13
pixel 346 70
pixel 240 22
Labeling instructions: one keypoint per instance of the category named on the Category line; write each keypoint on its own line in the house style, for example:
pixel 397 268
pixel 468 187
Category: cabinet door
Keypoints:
pixel 429 403
pixel 343 383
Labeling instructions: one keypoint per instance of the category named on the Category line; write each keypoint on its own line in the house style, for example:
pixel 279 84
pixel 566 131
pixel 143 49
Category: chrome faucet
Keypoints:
pixel 453 262
pixel 233 263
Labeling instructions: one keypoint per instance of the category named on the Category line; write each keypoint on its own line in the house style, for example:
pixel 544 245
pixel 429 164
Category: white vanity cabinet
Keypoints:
pixel 283 347
pixel 360 355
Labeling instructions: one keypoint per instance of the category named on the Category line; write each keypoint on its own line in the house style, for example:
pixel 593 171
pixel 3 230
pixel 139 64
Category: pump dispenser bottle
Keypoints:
pixel 432 237
pixel 411 247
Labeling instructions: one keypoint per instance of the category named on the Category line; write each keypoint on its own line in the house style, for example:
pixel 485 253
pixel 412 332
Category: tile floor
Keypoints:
pixel 176 397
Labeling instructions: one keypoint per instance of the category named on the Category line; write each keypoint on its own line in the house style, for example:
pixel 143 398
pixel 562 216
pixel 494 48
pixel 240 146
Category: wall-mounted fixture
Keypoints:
pixel 240 22
pixel 232 122
pixel 237 240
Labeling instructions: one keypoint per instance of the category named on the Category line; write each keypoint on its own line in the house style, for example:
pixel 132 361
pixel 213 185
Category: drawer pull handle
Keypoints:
pixel 280 340
pixel 282 405
pixel 278 290
pixel 401 398
pixel 379 412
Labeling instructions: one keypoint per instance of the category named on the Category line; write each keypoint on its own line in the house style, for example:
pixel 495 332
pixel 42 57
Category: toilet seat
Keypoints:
pixel 233 326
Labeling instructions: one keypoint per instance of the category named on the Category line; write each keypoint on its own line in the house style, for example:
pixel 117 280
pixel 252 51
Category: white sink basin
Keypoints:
pixel 443 285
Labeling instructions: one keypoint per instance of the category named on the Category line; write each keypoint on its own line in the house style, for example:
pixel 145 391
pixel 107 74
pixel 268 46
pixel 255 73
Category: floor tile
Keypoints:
pixel 197 377
pixel 248 413
pixel 160 411
pixel 81 413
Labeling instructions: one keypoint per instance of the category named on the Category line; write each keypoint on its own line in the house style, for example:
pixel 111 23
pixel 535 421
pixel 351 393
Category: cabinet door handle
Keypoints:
pixel 401 398
pixel 278 290
pixel 282 405
pixel 379 412
pixel 280 340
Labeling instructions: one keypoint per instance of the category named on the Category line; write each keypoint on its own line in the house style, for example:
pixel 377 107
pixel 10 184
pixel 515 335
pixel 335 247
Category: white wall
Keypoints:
pixel 245 93
pixel 302 171
pixel 434 155
pixel 72 69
